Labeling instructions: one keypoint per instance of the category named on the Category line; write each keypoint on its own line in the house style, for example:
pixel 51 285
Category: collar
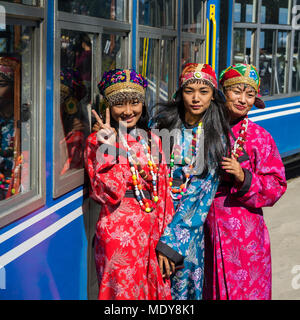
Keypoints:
pixel 236 121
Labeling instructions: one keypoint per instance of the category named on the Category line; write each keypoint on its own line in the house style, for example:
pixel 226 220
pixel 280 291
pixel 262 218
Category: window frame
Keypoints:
pixel 98 27
pixel 159 34
pixel 193 38
pixel 20 205
pixel 257 27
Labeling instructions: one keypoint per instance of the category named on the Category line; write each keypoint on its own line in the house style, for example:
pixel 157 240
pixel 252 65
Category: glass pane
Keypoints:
pixel 275 12
pixel 112 47
pixel 296 64
pixel 27 2
pixel 16 110
pixel 197 52
pixel 280 73
pixel 192 16
pixel 75 95
pixel 186 53
pixel 265 61
pixel 167 67
pixel 243 46
pixel 107 9
pixel 148 68
pixel 245 11
pixel 160 13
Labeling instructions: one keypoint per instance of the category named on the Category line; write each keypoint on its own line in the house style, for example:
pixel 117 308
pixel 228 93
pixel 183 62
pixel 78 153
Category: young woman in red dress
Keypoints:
pixel 132 186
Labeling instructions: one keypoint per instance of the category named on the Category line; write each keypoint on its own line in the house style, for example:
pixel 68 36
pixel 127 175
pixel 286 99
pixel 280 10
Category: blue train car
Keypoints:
pixel 52 55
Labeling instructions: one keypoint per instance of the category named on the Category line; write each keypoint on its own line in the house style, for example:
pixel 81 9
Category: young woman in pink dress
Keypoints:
pixel 237 248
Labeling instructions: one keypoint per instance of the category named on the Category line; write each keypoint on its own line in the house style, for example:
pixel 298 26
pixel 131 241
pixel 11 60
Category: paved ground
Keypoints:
pixel 283 221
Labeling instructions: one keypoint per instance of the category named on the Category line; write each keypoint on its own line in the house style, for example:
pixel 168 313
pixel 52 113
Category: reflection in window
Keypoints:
pixel 107 9
pixel 112 46
pixel 243 52
pixel 166 63
pixel 15 109
pixel 186 52
pixel 281 63
pixel 75 95
pixel 296 64
pixel 275 12
pixel 191 52
pixel 148 68
pixel 244 11
pixel 160 13
pixel 193 16
pixel 265 61
pixel 27 2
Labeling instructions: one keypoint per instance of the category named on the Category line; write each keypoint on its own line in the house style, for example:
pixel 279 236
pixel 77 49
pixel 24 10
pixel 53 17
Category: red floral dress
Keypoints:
pixel 126 236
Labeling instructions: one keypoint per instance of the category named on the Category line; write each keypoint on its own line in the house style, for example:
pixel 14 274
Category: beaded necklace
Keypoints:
pixel 135 168
pixel 240 141
pixel 177 193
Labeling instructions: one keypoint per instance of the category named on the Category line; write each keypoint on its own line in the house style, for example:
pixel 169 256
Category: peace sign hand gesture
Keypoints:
pixel 106 133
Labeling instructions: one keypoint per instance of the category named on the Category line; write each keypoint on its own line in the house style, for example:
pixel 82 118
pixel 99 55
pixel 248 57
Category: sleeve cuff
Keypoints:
pixel 171 254
pixel 246 184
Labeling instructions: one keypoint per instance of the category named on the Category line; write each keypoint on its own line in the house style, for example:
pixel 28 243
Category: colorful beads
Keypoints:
pixel 177 193
pixel 136 171
pixel 240 141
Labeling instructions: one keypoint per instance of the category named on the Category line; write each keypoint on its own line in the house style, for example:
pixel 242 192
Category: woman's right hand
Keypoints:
pixel 106 133
pixel 166 266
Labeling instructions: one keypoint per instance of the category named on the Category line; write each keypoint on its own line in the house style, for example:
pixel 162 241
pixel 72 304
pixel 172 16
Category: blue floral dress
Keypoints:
pixel 183 239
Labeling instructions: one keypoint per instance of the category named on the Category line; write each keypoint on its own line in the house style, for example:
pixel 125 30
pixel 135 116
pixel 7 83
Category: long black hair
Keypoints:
pixel 171 115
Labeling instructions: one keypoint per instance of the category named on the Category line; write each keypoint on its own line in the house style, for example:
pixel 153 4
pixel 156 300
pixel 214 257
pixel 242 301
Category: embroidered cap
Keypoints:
pixel 198 71
pixel 242 74
pixel 122 85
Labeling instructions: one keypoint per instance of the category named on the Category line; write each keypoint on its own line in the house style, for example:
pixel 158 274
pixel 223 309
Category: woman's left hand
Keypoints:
pixel 231 165
pixel 166 266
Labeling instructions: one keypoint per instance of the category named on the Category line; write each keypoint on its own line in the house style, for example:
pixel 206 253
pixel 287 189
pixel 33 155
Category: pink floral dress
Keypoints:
pixel 237 247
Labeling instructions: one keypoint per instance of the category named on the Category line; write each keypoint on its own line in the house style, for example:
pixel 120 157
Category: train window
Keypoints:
pixel 157 14
pixel 21 134
pixel 27 2
pixel 75 96
pixel 192 51
pixel 86 47
pixel 267 38
pixel 270 42
pixel 148 67
pixel 166 62
pixel 193 16
pixel 296 64
pixel 245 11
pixel 110 9
pixel 113 47
pixel 275 12
pixel 186 51
pixel 280 72
pixel 243 44
pixel 273 62
pixel 16 111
